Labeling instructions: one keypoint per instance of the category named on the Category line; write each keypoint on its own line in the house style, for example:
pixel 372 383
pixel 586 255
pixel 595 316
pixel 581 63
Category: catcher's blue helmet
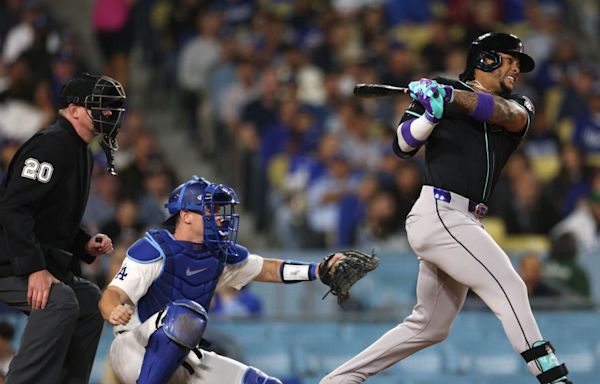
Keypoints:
pixel 216 203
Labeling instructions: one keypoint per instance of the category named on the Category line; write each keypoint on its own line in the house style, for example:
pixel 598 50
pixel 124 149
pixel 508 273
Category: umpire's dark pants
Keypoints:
pixel 59 342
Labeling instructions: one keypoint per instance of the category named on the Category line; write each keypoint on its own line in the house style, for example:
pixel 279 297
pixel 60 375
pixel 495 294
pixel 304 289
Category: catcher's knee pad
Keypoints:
pixel 185 322
pixel 552 370
pixel 256 376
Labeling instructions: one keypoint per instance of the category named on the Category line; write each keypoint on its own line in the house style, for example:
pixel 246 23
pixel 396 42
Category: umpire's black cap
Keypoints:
pixel 76 90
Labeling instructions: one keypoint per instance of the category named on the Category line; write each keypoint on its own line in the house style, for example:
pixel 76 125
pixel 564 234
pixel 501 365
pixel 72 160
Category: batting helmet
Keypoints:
pixel 216 203
pixel 98 94
pixel 484 53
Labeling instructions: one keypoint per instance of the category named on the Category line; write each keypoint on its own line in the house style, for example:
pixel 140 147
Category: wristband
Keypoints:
pixel 408 136
pixel 485 107
pixel 296 271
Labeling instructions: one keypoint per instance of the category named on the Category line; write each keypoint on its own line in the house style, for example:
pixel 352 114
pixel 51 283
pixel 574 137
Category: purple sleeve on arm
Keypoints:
pixel 485 107
pixel 407 134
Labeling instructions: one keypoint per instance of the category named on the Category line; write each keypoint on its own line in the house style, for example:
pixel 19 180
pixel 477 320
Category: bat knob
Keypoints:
pixel 98 239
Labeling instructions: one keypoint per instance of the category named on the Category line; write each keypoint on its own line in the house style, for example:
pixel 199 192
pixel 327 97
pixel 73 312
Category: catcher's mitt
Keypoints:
pixel 341 270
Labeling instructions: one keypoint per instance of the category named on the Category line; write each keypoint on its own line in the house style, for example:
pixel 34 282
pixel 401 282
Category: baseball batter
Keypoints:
pixel 470 128
pixel 157 300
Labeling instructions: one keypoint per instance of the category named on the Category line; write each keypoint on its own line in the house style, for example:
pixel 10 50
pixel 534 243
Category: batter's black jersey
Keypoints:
pixel 462 154
pixel 42 200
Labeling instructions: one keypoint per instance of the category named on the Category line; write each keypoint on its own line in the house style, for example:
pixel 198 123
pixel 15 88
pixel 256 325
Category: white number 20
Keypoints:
pixel 34 170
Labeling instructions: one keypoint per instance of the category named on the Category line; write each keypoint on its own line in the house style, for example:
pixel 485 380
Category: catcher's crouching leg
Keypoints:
pixel 256 376
pixel 182 328
pixel 552 370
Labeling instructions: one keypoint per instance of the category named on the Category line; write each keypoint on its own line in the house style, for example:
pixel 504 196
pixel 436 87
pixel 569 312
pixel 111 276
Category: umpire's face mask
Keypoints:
pixel 107 106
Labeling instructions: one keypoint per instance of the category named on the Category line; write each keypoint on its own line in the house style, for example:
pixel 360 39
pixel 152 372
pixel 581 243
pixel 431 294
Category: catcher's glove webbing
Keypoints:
pixel 342 273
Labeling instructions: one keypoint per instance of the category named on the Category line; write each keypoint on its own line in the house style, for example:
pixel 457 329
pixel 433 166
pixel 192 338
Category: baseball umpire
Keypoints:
pixel 42 201
pixel 469 128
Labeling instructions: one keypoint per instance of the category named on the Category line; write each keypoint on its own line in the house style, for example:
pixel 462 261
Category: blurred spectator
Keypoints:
pixel 20 118
pixel 229 302
pixel 151 206
pixel 146 156
pixel 103 200
pixel 354 213
pixel 583 223
pixel 360 142
pixel 406 189
pixel 587 129
pixel 198 57
pixel 556 69
pixel 237 95
pixel 113 22
pixel 381 229
pixel 529 210
pixel 439 46
pixel 530 269
pixel 23 35
pixel 562 267
pixel 324 197
pixel 7 333
pixel 572 182
pixel 542 147
pixel 125 224
pixel 399 69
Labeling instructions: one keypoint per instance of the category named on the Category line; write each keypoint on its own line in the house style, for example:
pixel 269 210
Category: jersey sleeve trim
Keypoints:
pixel 242 256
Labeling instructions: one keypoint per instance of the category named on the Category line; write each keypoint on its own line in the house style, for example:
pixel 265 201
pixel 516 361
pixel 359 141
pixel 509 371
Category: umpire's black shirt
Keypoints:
pixel 462 154
pixel 42 201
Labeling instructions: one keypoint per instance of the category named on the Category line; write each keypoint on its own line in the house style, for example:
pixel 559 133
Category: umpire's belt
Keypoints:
pixel 478 209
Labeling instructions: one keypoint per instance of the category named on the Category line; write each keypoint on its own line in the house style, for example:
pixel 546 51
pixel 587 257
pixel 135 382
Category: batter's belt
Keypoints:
pixel 477 209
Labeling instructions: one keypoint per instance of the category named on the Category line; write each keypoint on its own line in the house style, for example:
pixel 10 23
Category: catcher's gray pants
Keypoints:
pixel 456 254
pixel 59 342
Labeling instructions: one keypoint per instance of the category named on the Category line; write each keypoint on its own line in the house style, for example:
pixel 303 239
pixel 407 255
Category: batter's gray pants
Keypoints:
pixel 59 342
pixel 456 254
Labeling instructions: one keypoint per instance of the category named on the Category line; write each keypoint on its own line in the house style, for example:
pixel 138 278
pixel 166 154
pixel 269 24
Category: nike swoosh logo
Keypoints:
pixel 189 272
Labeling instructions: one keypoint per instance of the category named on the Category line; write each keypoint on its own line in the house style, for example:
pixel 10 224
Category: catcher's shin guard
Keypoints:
pixel 182 329
pixel 256 376
pixel 552 370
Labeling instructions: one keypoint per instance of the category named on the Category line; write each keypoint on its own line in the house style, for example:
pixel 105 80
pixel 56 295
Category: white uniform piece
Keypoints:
pixel 128 348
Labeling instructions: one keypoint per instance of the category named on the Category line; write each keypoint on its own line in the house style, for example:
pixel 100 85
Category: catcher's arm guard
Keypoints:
pixel 341 270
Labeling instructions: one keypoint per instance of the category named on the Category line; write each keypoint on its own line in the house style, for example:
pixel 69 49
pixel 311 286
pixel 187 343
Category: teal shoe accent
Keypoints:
pixel 549 361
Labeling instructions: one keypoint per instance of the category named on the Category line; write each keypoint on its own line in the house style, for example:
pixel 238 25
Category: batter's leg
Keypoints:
pixel 439 299
pixel 472 257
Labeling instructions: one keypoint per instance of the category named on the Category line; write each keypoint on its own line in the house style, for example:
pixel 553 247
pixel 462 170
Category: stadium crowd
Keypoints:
pixel 265 91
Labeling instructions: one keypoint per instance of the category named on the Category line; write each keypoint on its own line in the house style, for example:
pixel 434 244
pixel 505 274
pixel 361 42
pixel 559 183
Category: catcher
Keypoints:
pixel 157 300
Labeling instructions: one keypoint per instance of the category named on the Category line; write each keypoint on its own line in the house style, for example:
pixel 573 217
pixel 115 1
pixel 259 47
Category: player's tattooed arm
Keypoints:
pixel 506 113
pixel 115 306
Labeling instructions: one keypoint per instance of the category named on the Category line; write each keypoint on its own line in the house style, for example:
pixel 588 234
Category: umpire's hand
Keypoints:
pixel 38 288
pixel 99 244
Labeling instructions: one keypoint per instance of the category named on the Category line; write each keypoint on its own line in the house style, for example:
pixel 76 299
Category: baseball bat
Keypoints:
pixel 380 90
